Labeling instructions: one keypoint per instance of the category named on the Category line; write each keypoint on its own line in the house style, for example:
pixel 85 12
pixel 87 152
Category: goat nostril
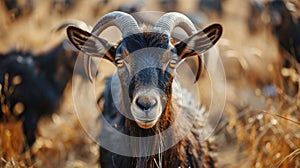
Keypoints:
pixel 145 103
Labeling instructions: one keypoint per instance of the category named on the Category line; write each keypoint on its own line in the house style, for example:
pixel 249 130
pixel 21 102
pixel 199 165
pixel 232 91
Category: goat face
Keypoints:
pixel 146 75
pixel 146 63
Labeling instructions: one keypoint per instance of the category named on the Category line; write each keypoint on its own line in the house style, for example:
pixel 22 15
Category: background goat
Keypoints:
pixel 211 5
pixel 257 18
pixel 146 64
pixel 285 28
pixel 18 8
pixel 62 6
pixel 275 15
pixel 42 80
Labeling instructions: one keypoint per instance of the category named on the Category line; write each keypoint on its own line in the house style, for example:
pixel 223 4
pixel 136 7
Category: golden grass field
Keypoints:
pixel 256 130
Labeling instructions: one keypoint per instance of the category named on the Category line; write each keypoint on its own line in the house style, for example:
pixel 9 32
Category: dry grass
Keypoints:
pixel 12 140
pixel 257 130
pixel 269 136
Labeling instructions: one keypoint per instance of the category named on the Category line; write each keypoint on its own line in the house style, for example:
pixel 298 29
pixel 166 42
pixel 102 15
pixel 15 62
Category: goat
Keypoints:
pixel 168 5
pixel 18 8
pixel 258 18
pixel 146 64
pixel 211 5
pixel 42 81
pixel 285 28
pixel 131 8
pixel 62 6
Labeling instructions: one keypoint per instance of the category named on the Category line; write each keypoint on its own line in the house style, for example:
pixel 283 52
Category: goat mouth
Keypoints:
pixel 145 124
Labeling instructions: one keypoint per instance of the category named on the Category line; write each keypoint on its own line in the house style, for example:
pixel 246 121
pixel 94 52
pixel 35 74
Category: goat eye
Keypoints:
pixel 119 63
pixel 173 63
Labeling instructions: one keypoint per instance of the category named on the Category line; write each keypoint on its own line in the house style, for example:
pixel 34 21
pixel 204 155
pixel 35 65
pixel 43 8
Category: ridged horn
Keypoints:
pixel 169 21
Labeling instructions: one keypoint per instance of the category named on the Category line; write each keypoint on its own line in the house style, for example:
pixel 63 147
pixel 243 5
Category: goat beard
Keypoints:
pixel 151 146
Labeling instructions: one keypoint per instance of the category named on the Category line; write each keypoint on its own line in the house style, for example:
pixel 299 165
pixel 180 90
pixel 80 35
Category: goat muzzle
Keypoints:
pixel 146 108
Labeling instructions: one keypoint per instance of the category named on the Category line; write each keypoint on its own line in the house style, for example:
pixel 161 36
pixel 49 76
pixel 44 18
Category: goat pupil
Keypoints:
pixel 119 63
pixel 172 63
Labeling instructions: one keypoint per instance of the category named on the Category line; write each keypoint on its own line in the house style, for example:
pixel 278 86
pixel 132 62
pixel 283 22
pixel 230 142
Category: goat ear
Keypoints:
pixel 90 44
pixel 199 43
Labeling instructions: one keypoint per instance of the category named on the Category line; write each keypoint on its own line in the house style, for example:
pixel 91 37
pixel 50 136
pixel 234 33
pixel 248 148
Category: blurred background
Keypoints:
pixel 260 51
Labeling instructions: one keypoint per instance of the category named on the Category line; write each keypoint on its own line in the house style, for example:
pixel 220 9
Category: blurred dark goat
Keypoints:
pixel 258 17
pixel 33 85
pixel 62 6
pixel 286 29
pixel 169 5
pixel 146 98
pixel 211 5
pixel 131 8
pixel 18 7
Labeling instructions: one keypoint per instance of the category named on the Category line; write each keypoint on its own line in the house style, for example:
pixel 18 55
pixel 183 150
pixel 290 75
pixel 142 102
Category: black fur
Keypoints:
pixel 43 81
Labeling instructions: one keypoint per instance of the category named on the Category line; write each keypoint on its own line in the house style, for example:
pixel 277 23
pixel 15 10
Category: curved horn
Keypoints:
pixel 123 21
pixel 169 21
